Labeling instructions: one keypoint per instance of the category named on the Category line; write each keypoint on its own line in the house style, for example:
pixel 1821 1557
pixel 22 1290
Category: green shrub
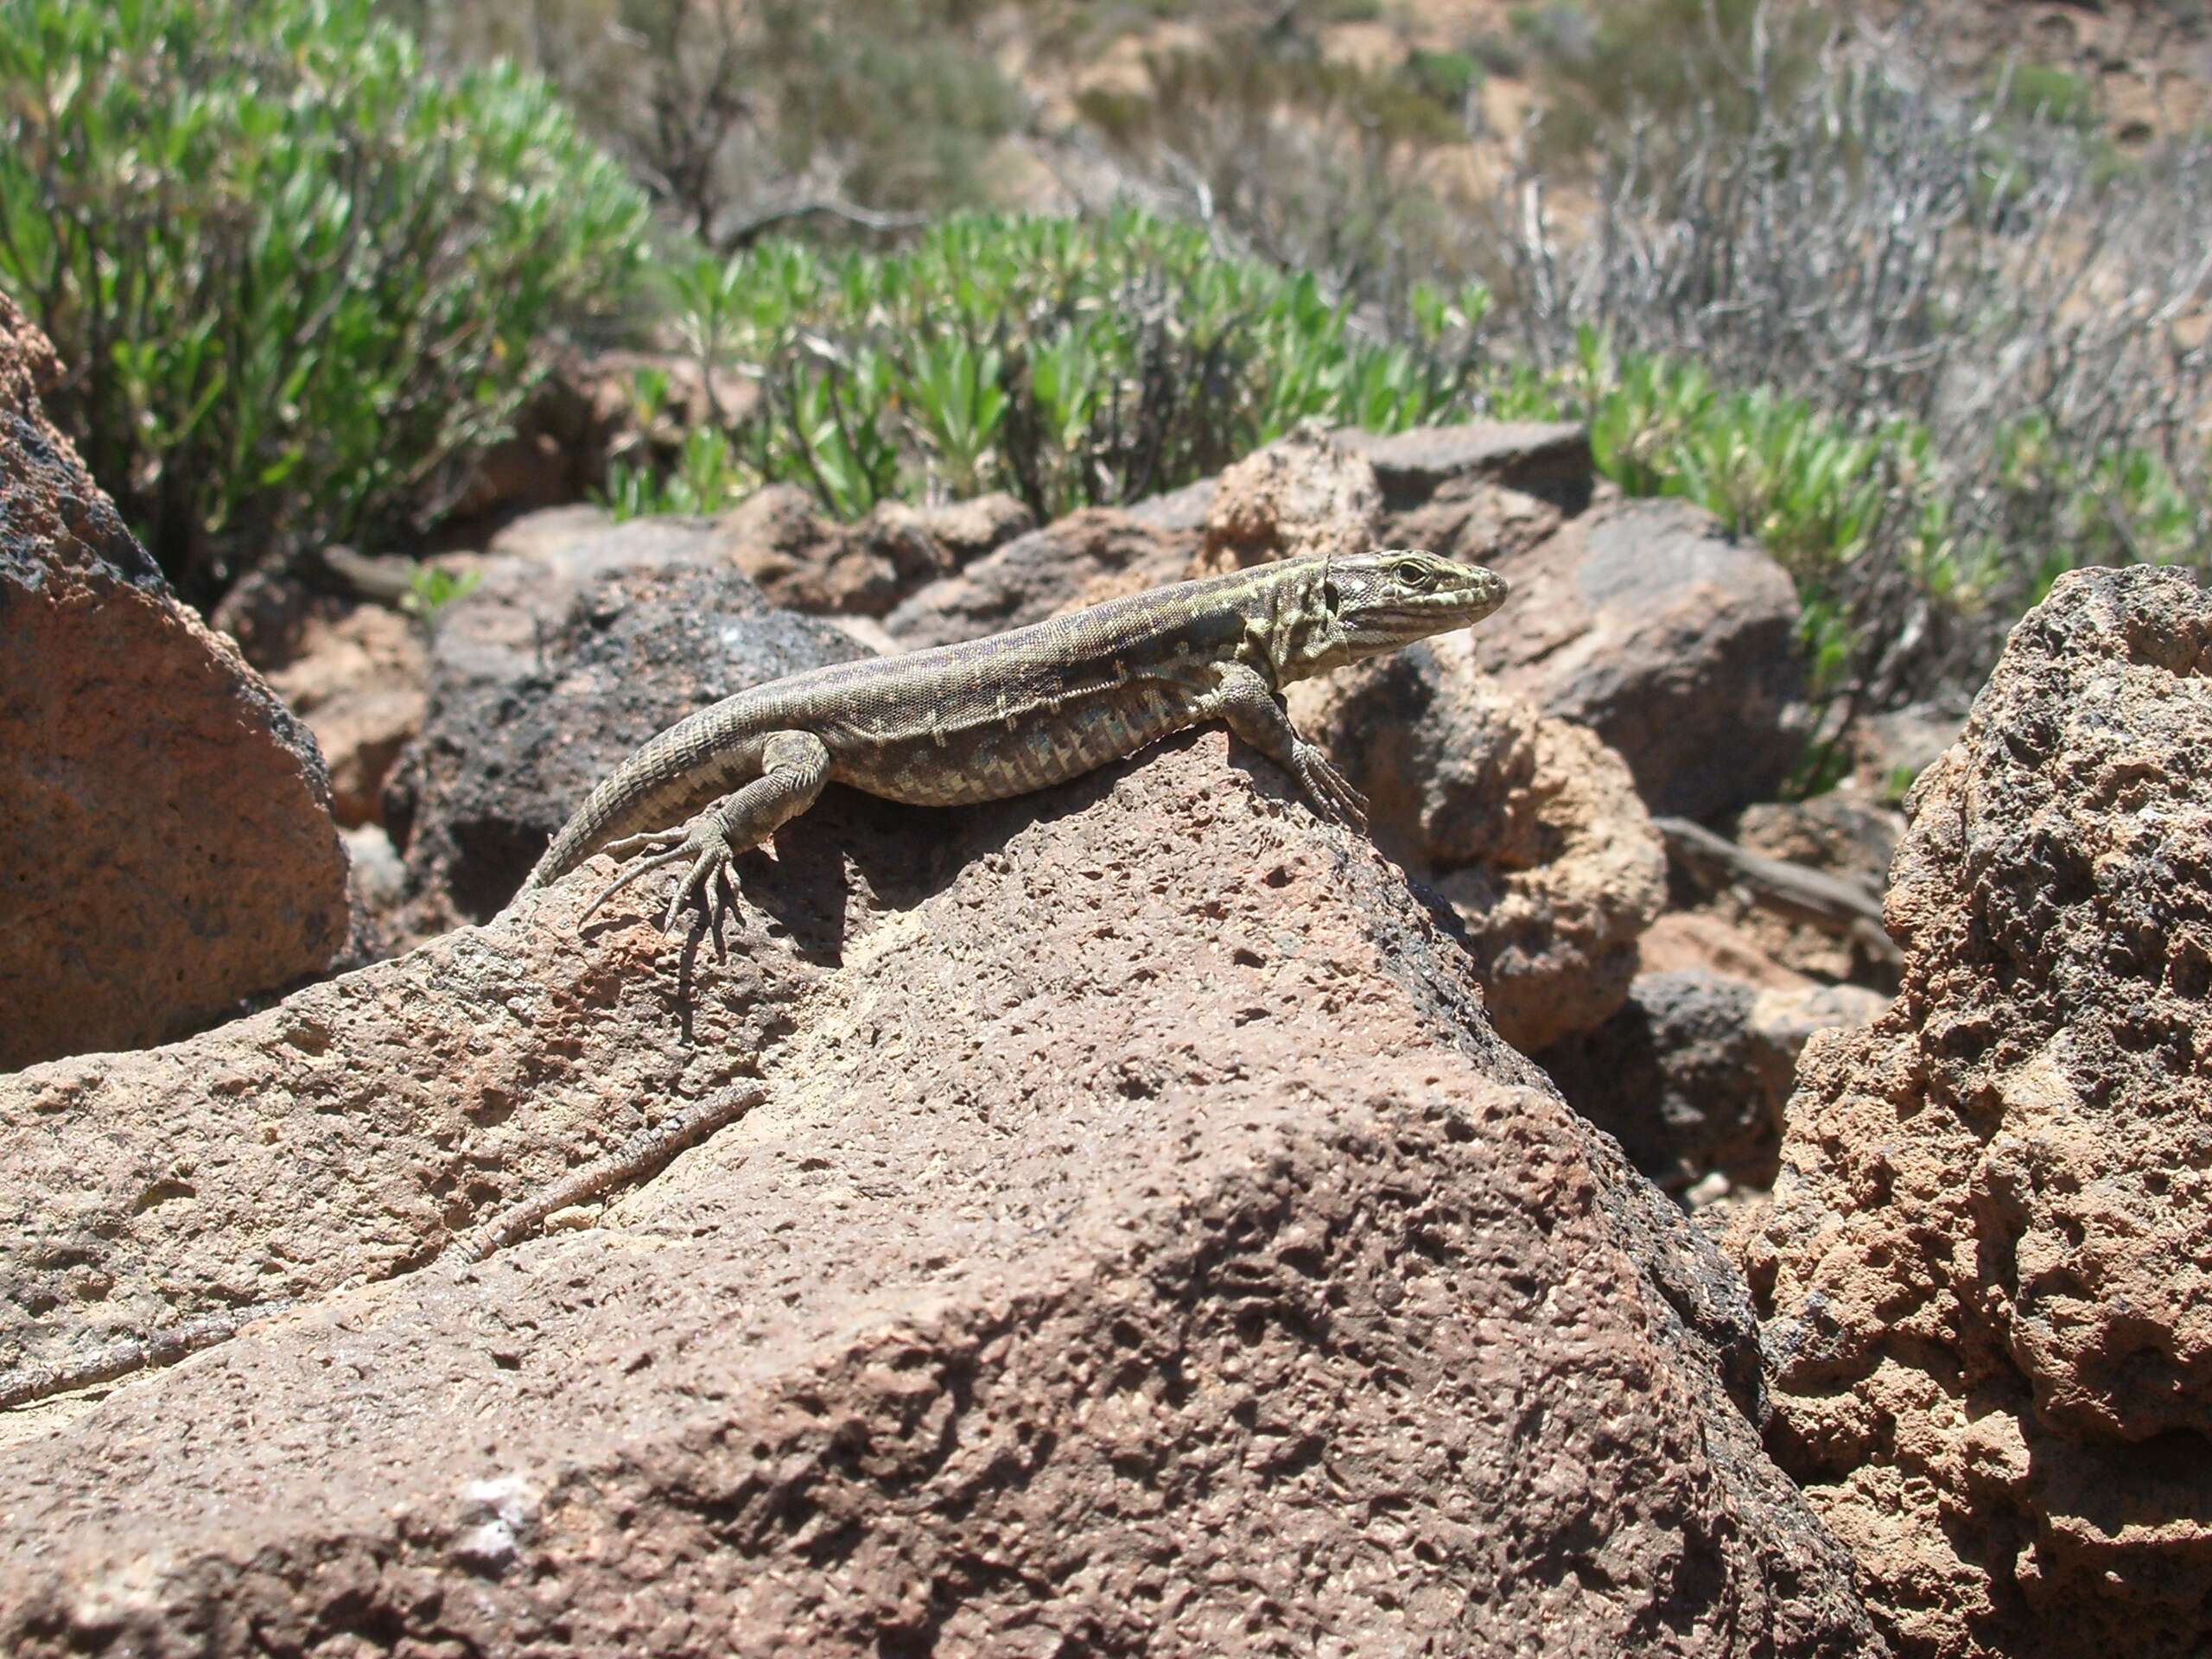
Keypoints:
pixel 2046 94
pixel 295 280
pixel 1071 361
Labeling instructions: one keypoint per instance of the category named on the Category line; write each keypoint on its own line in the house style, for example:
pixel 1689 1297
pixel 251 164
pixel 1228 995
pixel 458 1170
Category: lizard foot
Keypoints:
pixel 705 842
pixel 709 883
pixel 1328 790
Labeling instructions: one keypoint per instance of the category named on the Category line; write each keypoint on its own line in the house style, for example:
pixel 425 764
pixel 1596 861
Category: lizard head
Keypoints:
pixel 1363 604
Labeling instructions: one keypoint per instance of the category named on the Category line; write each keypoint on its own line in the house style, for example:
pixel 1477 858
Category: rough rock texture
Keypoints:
pixel 1690 1074
pixel 1674 643
pixel 549 674
pixel 1987 1273
pixel 1146 1248
pixel 165 826
pixel 1529 827
pixel 1044 572
pixel 1305 493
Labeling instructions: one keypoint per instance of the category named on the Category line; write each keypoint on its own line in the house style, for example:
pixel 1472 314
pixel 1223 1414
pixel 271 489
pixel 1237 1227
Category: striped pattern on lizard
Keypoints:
pixel 1019 711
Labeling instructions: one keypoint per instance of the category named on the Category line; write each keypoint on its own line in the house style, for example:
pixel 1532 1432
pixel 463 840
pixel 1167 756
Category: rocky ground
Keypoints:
pixel 1170 1223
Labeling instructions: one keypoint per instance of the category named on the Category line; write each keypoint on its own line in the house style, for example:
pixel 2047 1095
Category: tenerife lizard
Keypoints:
pixel 1018 711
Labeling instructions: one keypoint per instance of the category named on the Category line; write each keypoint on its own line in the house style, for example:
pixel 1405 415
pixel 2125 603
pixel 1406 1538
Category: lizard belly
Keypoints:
pixel 992 759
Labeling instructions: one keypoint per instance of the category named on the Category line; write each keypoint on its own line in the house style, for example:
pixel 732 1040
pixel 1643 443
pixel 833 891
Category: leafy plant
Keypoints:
pixel 294 279
pixel 1070 362
pixel 2044 92
pixel 432 588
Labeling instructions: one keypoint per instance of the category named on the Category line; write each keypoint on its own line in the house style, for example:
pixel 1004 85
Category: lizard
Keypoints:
pixel 987 719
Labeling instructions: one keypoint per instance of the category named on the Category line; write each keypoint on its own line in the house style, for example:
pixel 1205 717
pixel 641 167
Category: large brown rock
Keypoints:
pixel 1527 825
pixel 1146 1247
pixel 164 821
pixel 1986 1273
pixel 1673 642
pixel 563 659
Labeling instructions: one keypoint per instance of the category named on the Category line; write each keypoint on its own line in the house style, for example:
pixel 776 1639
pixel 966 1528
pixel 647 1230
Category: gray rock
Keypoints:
pixel 549 674
pixel 1691 1073
pixel 1551 460
pixel 1039 575
pixel 1676 644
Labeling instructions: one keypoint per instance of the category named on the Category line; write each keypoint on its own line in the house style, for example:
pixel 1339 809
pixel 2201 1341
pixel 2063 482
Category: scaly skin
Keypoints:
pixel 1016 712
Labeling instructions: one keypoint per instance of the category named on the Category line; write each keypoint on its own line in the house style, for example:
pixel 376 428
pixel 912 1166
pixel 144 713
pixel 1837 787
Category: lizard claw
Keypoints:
pixel 1329 791
pixel 705 842
pixel 707 883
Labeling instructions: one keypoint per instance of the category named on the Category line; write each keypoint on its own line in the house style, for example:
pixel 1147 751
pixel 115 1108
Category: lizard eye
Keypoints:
pixel 1412 575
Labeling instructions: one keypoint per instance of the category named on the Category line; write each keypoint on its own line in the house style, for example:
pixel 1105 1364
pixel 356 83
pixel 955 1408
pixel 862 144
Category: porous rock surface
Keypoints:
pixel 165 826
pixel 1528 826
pixel 542 680
pixel 1985 1276
pixel 1146 1247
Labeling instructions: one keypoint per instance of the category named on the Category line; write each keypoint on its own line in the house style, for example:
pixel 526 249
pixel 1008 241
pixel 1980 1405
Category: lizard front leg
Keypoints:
pixel 1254 712
pixel 794 766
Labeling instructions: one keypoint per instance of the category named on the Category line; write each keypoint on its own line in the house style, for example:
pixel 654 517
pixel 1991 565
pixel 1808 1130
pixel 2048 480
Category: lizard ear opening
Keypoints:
pixel 1331 601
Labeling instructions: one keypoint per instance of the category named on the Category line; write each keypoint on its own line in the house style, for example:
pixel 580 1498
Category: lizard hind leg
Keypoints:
pixel 794 767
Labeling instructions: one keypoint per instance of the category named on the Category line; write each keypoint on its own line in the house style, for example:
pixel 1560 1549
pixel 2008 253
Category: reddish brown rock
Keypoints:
pixel 357 680
pixel 1987 1273
pixel 1692 940
pixel 164 820
pixel 1845 835
pixel 1146 1248
pixel 1529 827
pixel 779 538
pixel 1305 493
pixel 1673 643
